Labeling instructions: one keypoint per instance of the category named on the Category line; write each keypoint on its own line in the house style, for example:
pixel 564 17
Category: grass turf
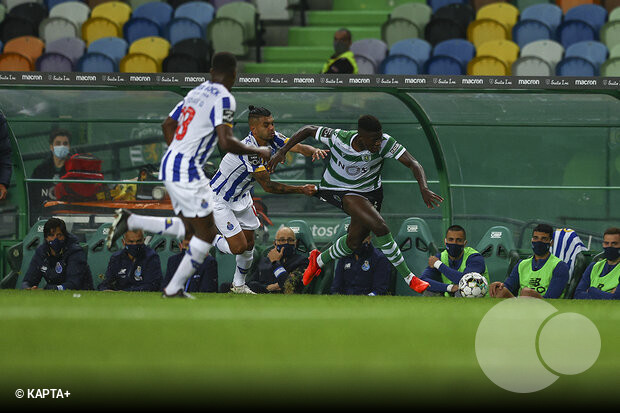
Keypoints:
pixel 224 349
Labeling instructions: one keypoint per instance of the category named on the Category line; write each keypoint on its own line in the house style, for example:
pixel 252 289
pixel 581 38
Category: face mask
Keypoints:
pixel 340 47
pixel 61 151
pixel 134 249
pixel 540 248
pixel 612 253
pixel 287 250
pixel 56 245
pixel 454 250
pixel 364 250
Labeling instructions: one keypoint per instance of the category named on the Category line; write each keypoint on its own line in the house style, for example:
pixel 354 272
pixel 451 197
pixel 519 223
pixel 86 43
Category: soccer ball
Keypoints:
pixel 473 285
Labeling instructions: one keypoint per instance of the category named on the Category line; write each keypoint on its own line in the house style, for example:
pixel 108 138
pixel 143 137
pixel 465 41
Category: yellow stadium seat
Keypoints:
pixel 138 63
pixel 486 66
pixel 96 28
pixel 483 30
pixel 117 11
pixel 29 46
pixel 15 62
pixel 505 13
pixel 505 50
pixel 153 46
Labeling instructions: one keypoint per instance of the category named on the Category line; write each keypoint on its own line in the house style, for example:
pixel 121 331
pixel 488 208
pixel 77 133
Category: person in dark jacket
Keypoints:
pixel 134 268
pixel 365 272
pixel 60 260
pixel 6 165
pixel 204 280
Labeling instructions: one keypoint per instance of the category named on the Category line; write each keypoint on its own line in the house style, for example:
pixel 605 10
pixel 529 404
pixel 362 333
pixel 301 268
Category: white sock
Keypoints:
pixel 319 261
pixel 157 225
pixel 244 262
pixel 221 244
pixel 193 258
pixel 409 278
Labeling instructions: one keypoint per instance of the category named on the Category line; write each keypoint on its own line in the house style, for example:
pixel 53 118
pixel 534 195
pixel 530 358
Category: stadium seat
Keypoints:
pixel 397 29
pixel 71 47
pixel 418 13
pixel 524 4
pixel 528 31
pixel 416 243
pixel 614 51
pixel 505 50
pixel 29 46
pixel 174 3
pixel 98 253
pixel 12 27
pixel 487 66
pixel 566 5
pixel 443 65
pixel 594 52
pixel 165 246
pixel 199 11
pixel 15 62
pixel 460 49
pixel 181 28
pixel 478 4
pixel 365 66
pixel 438 4
pixel 440 29
pixel 75 11
pixel 582 260
pixel 303 233
pixel 460 13
pixel 484 30
pixel 53 28
pixel 531 66
pixel 505 13
pixel 593 14
pixel 575 31
pixel 10 4
pixel 575 66
pixel 97 63
pixel 155 47
pixel 548 50
pixel 225 35
pixel 610 33
pixel 96 28
pixel 614 14
pixel 197 48
pixel 181 62
pixel 116 11
pixel 157 11
pixel 274 10
pixel 374 50
pixel 136 3
pixel 54 62
pixel 499 251
pixel 113 47
pixel 35 12
pixel 139 27
pixel 417 49
pixel 611 67
pixel 399 65
pixel 31 241
pixel 546 13
pixel 139 63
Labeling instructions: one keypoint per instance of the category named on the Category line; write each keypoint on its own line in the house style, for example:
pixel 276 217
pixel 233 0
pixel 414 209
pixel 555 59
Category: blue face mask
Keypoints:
pixel 56 245
pixel 612 253
pixel 134 249
pixel 61 151
pixel 454 250
pixel 540 248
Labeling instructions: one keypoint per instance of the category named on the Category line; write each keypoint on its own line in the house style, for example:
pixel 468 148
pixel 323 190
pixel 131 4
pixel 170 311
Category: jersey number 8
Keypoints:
pixel 187 114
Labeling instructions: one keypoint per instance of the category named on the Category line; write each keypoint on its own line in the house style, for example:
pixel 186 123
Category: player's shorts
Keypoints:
pixel 335 197
pixel 232 218
pixel 191 199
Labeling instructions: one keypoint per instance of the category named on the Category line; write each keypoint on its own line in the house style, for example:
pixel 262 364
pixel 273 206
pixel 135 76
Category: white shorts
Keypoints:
pixel 231 218
pixel 191 199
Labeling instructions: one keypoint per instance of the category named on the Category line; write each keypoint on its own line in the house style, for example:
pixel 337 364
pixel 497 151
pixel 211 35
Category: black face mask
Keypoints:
pixel 134 249
pixel 454 250
pixel 287 249
pixel 56 245
pixel 540 248
pixel 612 253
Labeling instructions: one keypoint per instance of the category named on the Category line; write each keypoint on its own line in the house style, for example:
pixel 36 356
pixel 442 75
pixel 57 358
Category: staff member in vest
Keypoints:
pixel 134 268
pixel 60 260
pixel 600 280
pixel 542 276
pixel 446 269
pixel 343 60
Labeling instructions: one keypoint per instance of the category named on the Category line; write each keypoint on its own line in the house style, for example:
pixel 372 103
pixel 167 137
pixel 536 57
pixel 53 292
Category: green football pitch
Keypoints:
pixel 139 350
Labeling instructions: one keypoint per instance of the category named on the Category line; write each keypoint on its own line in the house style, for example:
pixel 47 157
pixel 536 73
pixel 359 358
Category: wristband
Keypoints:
pixel 449 288
pixel 437 264
pixel 279 271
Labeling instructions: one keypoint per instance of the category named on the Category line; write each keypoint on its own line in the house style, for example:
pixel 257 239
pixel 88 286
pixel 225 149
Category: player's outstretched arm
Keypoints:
pixel 228 143
pixel 299 136
pixel 430 198
pixel 263 178
pixel 169 127
pixel 310 151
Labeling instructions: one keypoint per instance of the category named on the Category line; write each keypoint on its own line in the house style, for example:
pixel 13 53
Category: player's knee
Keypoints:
pixel 239 247
pixel 380 228
pixel 250 245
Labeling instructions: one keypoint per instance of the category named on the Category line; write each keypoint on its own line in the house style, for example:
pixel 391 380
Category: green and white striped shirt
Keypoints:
pixel 349 169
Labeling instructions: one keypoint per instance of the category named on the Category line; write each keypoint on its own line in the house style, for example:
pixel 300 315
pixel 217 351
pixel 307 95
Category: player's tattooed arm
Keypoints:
pixel 299 136
pixel 430 198
pixel 263 178
pixel 228 143
pixel 169 126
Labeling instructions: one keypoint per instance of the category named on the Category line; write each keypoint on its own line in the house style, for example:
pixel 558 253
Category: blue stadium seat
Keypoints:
pixel 575 31
pixel 417 49
pixel 461 49
pixel 113 47
pixel 438 4
pixel 547 13
pixel 54 62
pixel 444 65
pixel 97 62
pixel 158 11
pixel 594 52
pixel 374 50
pixel 593 14
pixel 575 66
pixel 399 65
pixel 528 31
pixel 181 29
pixel 199 11
pixel 139 27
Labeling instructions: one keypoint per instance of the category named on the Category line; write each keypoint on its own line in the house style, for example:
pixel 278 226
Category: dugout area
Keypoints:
pixel 504 159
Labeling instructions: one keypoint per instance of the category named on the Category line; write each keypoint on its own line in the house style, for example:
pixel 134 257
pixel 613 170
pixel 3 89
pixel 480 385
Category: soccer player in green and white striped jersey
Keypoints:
pixel 352 182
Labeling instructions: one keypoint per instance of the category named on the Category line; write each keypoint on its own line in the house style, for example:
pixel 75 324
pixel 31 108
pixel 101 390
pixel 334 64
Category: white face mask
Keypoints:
pixel 61 151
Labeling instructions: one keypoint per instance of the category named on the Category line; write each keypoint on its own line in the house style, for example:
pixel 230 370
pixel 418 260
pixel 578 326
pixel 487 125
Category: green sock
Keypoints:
pixel 389 248
pixel 339 249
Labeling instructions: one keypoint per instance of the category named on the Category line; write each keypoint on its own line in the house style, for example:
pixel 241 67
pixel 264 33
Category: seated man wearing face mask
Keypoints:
pixel 343 60
pixel 281 271
pixel 60 260
pixel 446 269
pixel 204 280
pixel 365 272
pixel 136 267
pixel 541 276
pixel 600 280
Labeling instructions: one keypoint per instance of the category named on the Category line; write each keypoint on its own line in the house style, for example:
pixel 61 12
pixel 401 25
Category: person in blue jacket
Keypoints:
pixel 600 280
pixel 60 260
pixel 204 280
pixel 134 268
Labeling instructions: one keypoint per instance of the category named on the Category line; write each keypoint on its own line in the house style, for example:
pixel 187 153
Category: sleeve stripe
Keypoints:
pixel 225 103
